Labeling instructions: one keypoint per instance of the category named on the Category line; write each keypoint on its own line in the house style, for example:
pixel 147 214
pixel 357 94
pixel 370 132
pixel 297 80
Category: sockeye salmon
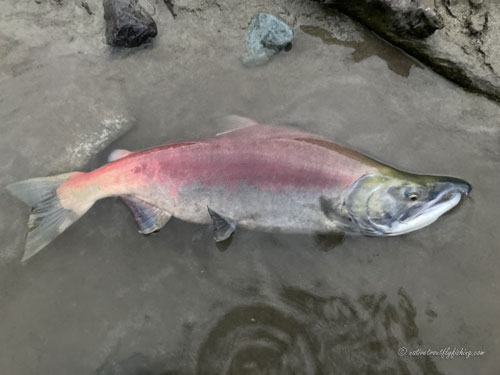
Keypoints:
pixel 262 177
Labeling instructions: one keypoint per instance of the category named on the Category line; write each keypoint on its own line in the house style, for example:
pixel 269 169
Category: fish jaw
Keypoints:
pixel 427 218
pixel 396 204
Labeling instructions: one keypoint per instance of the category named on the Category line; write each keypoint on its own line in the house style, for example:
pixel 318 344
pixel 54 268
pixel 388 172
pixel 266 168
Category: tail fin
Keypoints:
pixel 48 218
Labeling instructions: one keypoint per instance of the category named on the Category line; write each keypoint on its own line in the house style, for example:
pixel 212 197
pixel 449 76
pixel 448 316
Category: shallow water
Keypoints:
pixel 102 299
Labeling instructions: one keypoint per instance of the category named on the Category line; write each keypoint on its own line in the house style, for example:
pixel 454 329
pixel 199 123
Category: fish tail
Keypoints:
pixel 53 208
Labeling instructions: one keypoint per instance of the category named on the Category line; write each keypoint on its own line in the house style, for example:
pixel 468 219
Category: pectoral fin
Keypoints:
pixel 223 226
pixel 149 218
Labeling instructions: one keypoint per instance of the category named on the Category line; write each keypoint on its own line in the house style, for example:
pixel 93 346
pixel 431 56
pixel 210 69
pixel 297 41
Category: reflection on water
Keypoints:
pixel 362 335
pixel 258 339
pixel 136 364
pixel 371 45
pixel 301 333
pixel 224 245
pixel 327 242
pixel 316 335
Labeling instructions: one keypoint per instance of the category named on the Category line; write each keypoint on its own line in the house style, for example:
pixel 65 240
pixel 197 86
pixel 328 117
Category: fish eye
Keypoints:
pixel 412 195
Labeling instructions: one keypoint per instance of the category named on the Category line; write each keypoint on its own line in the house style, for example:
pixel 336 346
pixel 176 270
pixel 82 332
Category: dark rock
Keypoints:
pixel 127 23
pixel 404 18
pixel 266 35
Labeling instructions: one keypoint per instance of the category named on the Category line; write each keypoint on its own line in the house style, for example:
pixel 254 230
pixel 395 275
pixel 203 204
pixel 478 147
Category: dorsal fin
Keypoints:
pixel 149 218
pixel 238 126
pixel 118 154
pixel 233 122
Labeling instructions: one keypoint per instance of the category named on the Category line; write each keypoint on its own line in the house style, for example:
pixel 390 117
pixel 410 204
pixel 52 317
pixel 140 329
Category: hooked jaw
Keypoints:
pixel 460 185
pixel 387 206
pixel 444 201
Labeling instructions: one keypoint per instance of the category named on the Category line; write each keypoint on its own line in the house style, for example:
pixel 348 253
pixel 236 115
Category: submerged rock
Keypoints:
pixel 464 43
pixel 265 36
pixel 127 23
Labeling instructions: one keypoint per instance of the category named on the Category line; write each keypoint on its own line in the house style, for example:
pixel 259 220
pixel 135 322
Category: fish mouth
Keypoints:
pixel 427 213
pixel 425 217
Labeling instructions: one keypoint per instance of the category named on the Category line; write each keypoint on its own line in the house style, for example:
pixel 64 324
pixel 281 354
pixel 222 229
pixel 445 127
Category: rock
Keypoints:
pixel 404 18
pixel 86 6
pixel 265 36
pixel 477 23
pixel 464 43
pixel 170 7
pixel 127 23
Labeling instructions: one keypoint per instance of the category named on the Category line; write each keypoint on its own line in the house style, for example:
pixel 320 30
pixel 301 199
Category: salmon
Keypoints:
pixel 260 177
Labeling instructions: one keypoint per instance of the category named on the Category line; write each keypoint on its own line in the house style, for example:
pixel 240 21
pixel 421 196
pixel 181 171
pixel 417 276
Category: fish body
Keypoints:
pixel 262 177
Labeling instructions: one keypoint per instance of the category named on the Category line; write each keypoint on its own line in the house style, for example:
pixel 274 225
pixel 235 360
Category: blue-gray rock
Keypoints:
pixel 127 23
pixel 265 36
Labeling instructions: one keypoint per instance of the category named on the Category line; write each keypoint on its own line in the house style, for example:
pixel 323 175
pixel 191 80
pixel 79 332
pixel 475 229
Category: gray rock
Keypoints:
pixel 464 43
pixel 265 36
pixel 477 23
pixel 127 23
pixel 405 18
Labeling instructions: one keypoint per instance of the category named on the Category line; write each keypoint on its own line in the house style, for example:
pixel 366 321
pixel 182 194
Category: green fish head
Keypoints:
pixel 394 203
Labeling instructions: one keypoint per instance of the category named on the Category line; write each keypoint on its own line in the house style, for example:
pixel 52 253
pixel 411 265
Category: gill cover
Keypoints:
pixel 358 200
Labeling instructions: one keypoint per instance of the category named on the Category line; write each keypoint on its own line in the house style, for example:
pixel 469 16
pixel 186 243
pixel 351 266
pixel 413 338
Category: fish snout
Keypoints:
pixel 457 184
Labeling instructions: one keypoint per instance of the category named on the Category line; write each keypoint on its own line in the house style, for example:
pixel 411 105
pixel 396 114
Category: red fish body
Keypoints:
pixel 262 177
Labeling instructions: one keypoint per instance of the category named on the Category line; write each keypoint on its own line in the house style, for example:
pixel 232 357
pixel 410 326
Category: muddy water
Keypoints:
pixel 102 299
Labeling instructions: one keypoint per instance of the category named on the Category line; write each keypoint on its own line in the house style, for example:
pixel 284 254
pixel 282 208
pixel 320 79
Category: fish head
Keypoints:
pixel 397 203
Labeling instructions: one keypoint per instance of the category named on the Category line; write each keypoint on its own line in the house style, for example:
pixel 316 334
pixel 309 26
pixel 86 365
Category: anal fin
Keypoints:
pixel 223 226
pixel 149 218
